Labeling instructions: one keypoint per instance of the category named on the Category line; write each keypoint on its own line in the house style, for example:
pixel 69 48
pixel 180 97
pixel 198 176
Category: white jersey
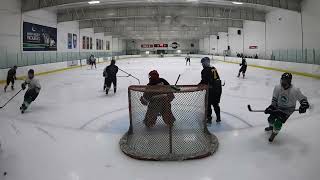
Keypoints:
pixel 33 84
pixel 286 99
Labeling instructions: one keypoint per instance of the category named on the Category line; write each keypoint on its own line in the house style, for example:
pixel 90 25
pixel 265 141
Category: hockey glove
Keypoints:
pixel 23 86
pixel 270 109
pixel 304 106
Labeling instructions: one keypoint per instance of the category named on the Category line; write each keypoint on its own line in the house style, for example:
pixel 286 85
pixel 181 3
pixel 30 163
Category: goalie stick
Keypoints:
pixel 175 85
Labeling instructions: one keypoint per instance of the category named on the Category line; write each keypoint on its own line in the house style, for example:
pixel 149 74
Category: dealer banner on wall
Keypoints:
pixel 39 38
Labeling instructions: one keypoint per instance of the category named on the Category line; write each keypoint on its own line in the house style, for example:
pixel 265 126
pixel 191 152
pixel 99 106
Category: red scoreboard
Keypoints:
pixel 161 45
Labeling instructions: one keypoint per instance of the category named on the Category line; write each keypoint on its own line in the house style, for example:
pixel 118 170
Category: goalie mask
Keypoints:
pixel 153 76
pixel 285 81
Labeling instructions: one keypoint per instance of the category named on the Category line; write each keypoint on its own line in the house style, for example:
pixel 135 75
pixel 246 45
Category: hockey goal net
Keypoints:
pixel 168 123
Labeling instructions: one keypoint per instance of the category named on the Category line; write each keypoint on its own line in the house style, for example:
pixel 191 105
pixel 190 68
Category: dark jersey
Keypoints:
pixel 243 63
pixel 209 75
pixel 12 73
pixel 112 71
pixel 160 81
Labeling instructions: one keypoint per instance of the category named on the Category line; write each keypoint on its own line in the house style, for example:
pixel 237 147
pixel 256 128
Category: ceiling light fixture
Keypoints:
pixel 237 3
pixel 94 2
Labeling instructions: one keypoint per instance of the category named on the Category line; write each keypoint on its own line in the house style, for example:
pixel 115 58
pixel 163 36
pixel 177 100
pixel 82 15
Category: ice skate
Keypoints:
pixel 23 108
pixel 269 128
pixel 273 135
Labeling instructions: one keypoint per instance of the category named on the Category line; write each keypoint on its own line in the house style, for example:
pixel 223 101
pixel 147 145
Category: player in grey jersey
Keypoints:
pixel 283 104
pixel 32 92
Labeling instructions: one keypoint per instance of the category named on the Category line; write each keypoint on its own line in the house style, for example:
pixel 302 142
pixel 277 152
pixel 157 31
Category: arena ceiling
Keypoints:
pixel 161 19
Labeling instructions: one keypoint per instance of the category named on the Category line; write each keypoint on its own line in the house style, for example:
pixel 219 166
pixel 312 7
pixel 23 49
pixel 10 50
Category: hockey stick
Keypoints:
pixel 130 75
pixel 175 85
pixel 123 76
pixel 250 109
pixel 177 79
pixel 10 99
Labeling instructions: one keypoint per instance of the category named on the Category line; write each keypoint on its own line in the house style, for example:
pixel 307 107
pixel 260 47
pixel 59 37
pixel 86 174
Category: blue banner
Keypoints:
pixel 39 38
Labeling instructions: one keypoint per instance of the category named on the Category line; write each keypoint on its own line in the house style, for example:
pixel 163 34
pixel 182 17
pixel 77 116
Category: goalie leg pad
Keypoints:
pixel 151 115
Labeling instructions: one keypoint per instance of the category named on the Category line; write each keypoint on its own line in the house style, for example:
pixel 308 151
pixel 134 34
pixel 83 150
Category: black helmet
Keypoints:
pixel 31 71
pixel 286 76
pixel 205 60
pixel 286 79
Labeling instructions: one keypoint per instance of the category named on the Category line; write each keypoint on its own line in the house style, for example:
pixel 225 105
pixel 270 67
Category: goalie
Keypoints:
pixel 159 104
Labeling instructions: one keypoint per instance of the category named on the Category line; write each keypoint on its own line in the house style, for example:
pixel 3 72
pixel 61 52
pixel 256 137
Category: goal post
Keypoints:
pixel 167 124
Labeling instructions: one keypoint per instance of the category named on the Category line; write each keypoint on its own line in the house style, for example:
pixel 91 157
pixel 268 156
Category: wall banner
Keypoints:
pixel 39 38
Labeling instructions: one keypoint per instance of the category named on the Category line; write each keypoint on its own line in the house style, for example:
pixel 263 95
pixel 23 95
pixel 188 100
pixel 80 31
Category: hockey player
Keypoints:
pixel 158 103
pixel 110 75
pixel 32 92
pixel 11 77
pixel 283 104
pixel 243 68
pixel 188 59
pixel 92 61
pixel 210 77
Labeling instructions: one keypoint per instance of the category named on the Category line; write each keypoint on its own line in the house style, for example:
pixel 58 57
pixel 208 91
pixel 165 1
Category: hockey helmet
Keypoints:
pixel 286 80
pixel 205 61
pixel 154 75
pixel 30 73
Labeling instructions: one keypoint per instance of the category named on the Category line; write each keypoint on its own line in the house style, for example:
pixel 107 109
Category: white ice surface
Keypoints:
pixel 72 130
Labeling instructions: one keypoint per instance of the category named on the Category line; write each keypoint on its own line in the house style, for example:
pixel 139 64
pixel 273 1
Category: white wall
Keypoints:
pixel 206 44
pixel 62 39
pixel 254 35
pixel 310 23
pixel 222 42
pixel 121 45
pixel 213 44
pixel 115 44
pixel 10 19
pixel 201 45
pixel 235 41
pixel 283 30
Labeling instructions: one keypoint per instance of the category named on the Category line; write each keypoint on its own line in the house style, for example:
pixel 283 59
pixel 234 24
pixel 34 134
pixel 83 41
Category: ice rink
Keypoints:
pixel 72 130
